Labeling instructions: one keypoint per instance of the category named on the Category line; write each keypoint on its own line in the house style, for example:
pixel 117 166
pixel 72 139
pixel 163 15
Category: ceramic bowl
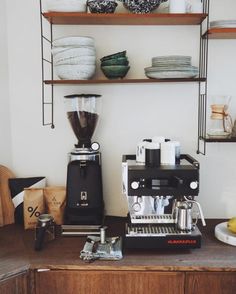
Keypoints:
pixel 86 60
pixel 142 6
pixel 75 72
pixel 102 6
pixel 73 52
pixel 73 41
pixel 114 56
pixel 115 61
pixel 115 71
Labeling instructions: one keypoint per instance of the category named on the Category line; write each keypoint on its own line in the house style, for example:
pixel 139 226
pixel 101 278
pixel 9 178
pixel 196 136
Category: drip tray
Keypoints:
pixel 154 230
pixel 160 236
pixel 152 219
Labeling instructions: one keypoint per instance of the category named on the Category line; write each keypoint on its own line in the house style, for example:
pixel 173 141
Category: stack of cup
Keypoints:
pixel 158 151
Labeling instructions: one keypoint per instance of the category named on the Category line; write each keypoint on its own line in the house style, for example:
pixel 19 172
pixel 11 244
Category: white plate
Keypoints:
pixel 171 68
pixel 171 74
pixel 223 234
pixel 172 57
pixel 218 135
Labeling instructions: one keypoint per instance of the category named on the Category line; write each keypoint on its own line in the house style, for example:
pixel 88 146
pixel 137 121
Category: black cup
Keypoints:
pixel 152 155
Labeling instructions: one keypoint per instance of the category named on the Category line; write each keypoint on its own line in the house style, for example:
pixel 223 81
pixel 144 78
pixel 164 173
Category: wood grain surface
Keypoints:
pixel 115 282
pixel 1 213
pixel 5 195
pixel 124 18
pixel 205 283
pixel 15 285
pixel 17 254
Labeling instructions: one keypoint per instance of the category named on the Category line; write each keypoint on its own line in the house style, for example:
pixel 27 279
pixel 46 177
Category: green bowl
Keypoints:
pixel 113 56
pixel 115 71
pixel 115 61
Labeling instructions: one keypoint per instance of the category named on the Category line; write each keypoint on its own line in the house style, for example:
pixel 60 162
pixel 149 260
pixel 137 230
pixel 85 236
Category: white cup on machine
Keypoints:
pixel 168 153
pixel 177 6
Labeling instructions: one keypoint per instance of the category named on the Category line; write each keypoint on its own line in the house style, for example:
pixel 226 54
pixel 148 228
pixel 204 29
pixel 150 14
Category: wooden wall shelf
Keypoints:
pixel 70 18
pixel 221 33
pixel 120 81
pixel 219 140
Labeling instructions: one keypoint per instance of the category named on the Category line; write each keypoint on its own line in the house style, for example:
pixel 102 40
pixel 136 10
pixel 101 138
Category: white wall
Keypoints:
pixel 5 129
pixel 130 112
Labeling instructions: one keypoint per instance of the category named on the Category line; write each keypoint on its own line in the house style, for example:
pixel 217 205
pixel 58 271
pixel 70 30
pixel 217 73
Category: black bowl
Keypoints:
pixel 103 6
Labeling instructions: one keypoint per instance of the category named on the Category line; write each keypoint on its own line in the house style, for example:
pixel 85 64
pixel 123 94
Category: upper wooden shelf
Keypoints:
pixel 121 81
pixel 222 33
pixel 71 18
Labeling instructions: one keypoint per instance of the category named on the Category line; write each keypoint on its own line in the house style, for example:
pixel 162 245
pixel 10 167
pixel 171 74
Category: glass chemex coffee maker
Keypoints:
pixel 84 205
pixel 162 209
pixel 220 123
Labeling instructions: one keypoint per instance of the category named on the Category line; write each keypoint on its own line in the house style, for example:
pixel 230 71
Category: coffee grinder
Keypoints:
pixel 84 180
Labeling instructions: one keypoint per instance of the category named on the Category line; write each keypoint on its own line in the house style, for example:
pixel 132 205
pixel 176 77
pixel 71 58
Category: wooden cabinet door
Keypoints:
pixel 14 285
pixel 205 283
pixel 114 282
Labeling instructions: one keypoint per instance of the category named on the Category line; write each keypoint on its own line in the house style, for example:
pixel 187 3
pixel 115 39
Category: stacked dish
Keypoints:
pixel 223 23
pixel 66 5
pixel 115 65
pixel 172 66
pixel 74 58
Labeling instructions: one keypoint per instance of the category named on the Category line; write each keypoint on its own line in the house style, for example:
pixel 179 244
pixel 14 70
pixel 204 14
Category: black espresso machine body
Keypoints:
pixel 84 189
pixel 160 199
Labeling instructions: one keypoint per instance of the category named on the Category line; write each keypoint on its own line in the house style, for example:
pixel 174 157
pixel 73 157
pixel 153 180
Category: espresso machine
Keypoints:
pixel 84 204
pixel 162 209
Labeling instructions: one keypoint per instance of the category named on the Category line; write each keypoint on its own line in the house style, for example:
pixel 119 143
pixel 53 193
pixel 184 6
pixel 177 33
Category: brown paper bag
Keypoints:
pixel 55 199
pixel 33 207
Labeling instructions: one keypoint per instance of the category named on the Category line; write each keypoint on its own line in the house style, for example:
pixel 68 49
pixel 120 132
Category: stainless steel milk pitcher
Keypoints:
pixel 183 214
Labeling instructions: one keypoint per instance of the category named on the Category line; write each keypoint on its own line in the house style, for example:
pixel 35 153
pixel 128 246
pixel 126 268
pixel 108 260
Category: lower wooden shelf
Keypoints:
pixel 122 81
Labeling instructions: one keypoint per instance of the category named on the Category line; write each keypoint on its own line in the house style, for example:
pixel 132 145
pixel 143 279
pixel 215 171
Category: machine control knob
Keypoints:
pixel 135 185
pixel 193 185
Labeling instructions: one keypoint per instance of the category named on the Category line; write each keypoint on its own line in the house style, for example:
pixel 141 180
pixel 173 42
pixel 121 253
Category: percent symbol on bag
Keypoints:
pixel 34 211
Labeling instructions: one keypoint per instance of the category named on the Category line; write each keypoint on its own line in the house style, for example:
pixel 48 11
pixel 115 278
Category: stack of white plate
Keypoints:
pixel 223 23
pixel 74 57
pixel 171 66
pixel 66 5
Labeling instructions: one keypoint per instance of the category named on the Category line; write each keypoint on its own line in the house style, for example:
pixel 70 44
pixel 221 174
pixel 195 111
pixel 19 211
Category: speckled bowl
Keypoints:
pixel 115 71
pixel 102 6
pixel 142 6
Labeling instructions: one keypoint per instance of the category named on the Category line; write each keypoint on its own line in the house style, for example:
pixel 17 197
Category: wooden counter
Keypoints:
pixel 62 256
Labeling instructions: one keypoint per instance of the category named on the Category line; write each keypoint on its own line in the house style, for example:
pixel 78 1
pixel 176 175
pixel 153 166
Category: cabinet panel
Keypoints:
pixel 15 285
pixel 217 283
pixel 115 282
